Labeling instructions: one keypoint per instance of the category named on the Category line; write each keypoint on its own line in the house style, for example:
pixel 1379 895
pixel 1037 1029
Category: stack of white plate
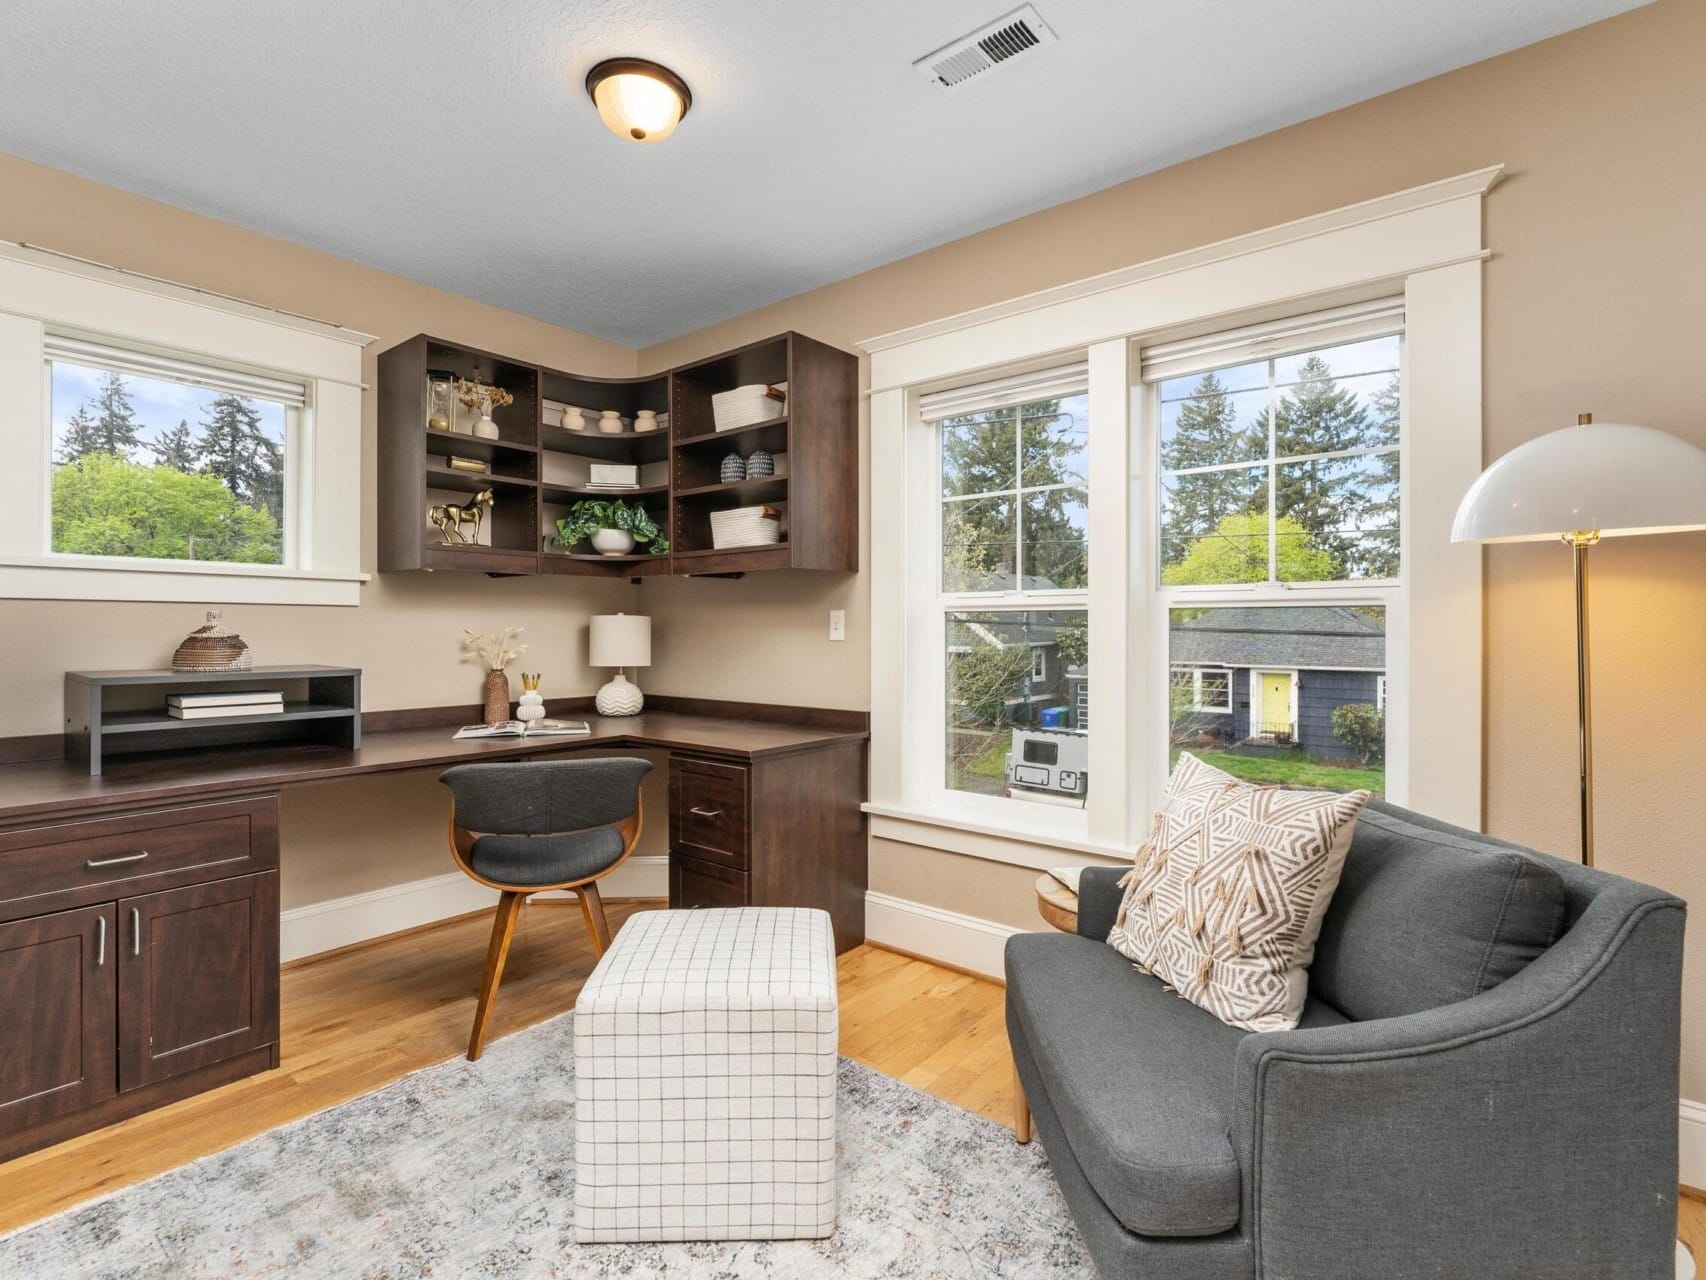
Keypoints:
pixel 745 527
pixel 755 402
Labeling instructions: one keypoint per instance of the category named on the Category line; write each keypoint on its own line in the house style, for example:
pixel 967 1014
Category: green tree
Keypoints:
pixel 1237 551
pixel 79 437
pixel 982 679
pixel 1381 549
pixel 1072 641
pixel 115 417
pixel 1327 496
pixel 175 448
pixel 980 454
pixel 109 506
pixel 1205 433
pixel 233 447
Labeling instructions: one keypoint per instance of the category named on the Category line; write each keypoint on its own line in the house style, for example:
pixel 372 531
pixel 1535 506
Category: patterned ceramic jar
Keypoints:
pixel 733 469
pixel 760 465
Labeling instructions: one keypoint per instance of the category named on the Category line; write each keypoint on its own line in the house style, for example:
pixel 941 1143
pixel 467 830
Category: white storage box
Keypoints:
pixel 705 1054
pixel 755 402
pixel 745 527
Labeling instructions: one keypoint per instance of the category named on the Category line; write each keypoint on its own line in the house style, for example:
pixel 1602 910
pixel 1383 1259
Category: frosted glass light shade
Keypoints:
pixel 1608 478
pixel 638 100
pixel 621 640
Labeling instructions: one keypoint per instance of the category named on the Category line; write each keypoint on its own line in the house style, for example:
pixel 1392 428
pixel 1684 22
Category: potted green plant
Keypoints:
pixel 612 526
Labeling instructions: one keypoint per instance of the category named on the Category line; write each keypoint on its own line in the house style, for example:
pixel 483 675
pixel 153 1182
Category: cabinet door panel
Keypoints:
pixel 696 883
pixel 707 810
pixel 58 1002
pixel 198 976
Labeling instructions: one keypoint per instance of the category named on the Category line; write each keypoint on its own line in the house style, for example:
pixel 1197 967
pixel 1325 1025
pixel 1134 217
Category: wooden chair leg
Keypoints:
pixel 592 908
pixel 1021 1110
pixel 503 929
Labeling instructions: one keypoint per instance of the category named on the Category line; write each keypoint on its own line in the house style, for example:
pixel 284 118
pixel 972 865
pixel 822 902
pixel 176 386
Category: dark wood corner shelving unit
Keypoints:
pixel 532 466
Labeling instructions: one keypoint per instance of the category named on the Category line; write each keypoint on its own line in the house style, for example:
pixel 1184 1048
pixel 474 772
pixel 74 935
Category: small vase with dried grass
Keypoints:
pixel 494 650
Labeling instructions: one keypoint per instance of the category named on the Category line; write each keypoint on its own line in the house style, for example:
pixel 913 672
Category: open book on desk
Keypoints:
pixel 519 729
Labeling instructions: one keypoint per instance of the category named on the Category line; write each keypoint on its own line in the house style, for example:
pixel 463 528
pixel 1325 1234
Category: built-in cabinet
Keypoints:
pixel 138 963
pixel 535 469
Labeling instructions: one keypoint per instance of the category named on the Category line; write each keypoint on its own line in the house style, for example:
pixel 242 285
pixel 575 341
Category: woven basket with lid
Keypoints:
pixel 213 648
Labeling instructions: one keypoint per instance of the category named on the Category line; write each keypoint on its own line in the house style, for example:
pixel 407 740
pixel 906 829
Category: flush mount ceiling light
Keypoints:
pixel 638 100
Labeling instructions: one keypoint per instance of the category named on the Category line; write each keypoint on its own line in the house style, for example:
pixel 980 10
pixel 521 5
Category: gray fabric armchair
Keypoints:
pixel 1484 1083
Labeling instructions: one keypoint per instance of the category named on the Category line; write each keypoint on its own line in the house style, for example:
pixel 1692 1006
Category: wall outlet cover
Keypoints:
pixel 838 624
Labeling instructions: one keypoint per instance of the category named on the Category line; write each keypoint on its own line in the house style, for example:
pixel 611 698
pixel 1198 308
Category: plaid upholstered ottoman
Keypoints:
pixel 705 1050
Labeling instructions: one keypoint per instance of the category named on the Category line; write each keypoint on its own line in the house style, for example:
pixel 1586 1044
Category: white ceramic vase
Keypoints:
pixel 619 698
pixel 613 542
pixel 573 419
pixel 610 422
pixel 531 707
pixel 645 420
pixel 486 429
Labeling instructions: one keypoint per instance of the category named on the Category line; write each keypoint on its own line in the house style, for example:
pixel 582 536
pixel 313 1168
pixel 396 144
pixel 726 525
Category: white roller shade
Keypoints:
pixel 1275 338
pixel 123 360
pixel 1000 393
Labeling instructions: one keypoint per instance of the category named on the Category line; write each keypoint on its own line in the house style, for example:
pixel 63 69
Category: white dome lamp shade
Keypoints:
pixel 1608 479
pixel 1581 484
pixel 638 100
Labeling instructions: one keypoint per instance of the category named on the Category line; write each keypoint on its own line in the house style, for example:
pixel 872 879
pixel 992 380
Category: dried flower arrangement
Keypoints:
pixel 477 397
pixel 495 649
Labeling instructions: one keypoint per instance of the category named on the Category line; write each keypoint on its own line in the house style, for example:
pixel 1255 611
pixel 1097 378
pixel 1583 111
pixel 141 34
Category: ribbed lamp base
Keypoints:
pixel 619 698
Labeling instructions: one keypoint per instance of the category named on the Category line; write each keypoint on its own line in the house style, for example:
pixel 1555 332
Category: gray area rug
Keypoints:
pixel 467 1169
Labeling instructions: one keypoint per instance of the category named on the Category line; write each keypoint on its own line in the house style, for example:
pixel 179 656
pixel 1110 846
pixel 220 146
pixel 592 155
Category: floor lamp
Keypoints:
pixel 1581 484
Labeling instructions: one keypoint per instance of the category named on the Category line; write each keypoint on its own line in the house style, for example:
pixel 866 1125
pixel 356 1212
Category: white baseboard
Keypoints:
pixel 342 922
pixel 1691 1154
pixel 967 942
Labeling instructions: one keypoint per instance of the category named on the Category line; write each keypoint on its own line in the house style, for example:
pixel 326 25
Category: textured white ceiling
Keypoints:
pixel 451 141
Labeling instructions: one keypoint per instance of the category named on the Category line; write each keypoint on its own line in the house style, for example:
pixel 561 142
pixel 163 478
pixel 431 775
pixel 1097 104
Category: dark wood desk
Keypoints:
pixel 115 891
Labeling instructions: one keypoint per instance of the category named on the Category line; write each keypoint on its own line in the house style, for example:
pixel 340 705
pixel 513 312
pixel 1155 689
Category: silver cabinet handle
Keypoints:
pixel 705 813
pixel 96 863
pixel 100 942
pixel 135 932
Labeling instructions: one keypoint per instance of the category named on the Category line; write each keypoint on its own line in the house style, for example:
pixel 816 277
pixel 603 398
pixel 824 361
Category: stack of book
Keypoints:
pixel 217 706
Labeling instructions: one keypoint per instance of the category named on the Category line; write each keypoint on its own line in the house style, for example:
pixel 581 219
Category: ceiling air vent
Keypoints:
pixel 989 46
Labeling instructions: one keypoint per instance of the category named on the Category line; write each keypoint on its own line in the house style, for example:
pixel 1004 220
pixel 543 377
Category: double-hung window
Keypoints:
pixel 1012 586
pixel 1277 536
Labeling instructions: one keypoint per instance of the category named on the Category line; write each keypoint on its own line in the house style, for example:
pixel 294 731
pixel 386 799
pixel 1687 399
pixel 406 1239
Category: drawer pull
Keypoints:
pixel 135 932
pixel 100 942
pixel 705 813
pixel 94 864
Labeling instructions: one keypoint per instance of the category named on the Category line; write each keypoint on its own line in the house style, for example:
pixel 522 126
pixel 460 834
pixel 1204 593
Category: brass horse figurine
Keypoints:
pixel 451 516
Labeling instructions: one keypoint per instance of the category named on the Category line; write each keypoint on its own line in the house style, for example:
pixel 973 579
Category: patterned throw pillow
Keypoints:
pixel 1225 900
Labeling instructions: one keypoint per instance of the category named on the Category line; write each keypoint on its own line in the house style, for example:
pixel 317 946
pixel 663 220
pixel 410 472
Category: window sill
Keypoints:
pixel 173 581
pixel 1039 844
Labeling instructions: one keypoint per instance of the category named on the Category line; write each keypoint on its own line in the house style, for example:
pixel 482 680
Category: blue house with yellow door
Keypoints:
pixel 1270 678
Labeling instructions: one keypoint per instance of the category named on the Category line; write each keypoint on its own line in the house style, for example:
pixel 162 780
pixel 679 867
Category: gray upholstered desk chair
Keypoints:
pixel 522 827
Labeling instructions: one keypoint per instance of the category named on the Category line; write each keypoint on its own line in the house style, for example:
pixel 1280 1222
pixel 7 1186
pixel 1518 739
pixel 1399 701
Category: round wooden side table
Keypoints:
pixel 1057 904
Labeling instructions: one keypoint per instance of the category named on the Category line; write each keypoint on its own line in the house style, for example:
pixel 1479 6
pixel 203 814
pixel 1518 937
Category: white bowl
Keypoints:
pixel 613 542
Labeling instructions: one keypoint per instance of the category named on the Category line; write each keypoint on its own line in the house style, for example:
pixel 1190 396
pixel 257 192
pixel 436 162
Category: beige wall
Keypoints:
pixel 1595 300
pixel 405 633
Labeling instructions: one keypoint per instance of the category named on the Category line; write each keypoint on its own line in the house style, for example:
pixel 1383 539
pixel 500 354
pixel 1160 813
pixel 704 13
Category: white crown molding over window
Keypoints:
pixel 43 292
pixel 1424 246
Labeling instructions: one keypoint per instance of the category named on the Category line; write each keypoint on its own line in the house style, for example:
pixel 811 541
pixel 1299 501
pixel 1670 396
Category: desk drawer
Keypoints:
pixel 695 883
pixel 75 864
pixel 708 810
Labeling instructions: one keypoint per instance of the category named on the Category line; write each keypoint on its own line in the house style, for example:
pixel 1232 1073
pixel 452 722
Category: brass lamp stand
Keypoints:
pixel 1580 542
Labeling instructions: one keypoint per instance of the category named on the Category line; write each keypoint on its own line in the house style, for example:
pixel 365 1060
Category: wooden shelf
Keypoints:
pixel 604 559
pixel 818 433
pixel 164 721
pixel 763 489
pixel 733 433
pixel 472 481
pixel 730 551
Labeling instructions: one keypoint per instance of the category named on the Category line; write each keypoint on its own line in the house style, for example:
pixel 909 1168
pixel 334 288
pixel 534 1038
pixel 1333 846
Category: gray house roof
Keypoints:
pixel 1332 638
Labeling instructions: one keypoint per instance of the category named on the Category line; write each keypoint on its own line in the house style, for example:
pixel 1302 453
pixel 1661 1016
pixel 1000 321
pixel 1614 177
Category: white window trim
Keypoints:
pixel 1197 673
pixel 42 291
pixel 1425 244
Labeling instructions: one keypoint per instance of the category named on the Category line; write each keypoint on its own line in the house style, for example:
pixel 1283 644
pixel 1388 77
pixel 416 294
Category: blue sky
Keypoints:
pixel 160 403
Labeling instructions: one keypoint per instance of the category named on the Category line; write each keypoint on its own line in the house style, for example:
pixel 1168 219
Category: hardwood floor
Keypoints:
pixel 357 1019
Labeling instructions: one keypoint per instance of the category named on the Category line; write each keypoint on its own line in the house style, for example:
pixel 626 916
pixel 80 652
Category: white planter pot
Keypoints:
pixel 613 542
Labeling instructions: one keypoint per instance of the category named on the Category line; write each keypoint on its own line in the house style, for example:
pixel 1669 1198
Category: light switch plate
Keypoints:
pixel 838 624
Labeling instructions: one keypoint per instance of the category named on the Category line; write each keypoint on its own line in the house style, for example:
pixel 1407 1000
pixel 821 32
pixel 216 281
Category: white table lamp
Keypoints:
pixel 620 640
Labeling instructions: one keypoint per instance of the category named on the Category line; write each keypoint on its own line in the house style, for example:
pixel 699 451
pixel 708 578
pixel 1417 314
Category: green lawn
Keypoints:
pixel 1297 769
